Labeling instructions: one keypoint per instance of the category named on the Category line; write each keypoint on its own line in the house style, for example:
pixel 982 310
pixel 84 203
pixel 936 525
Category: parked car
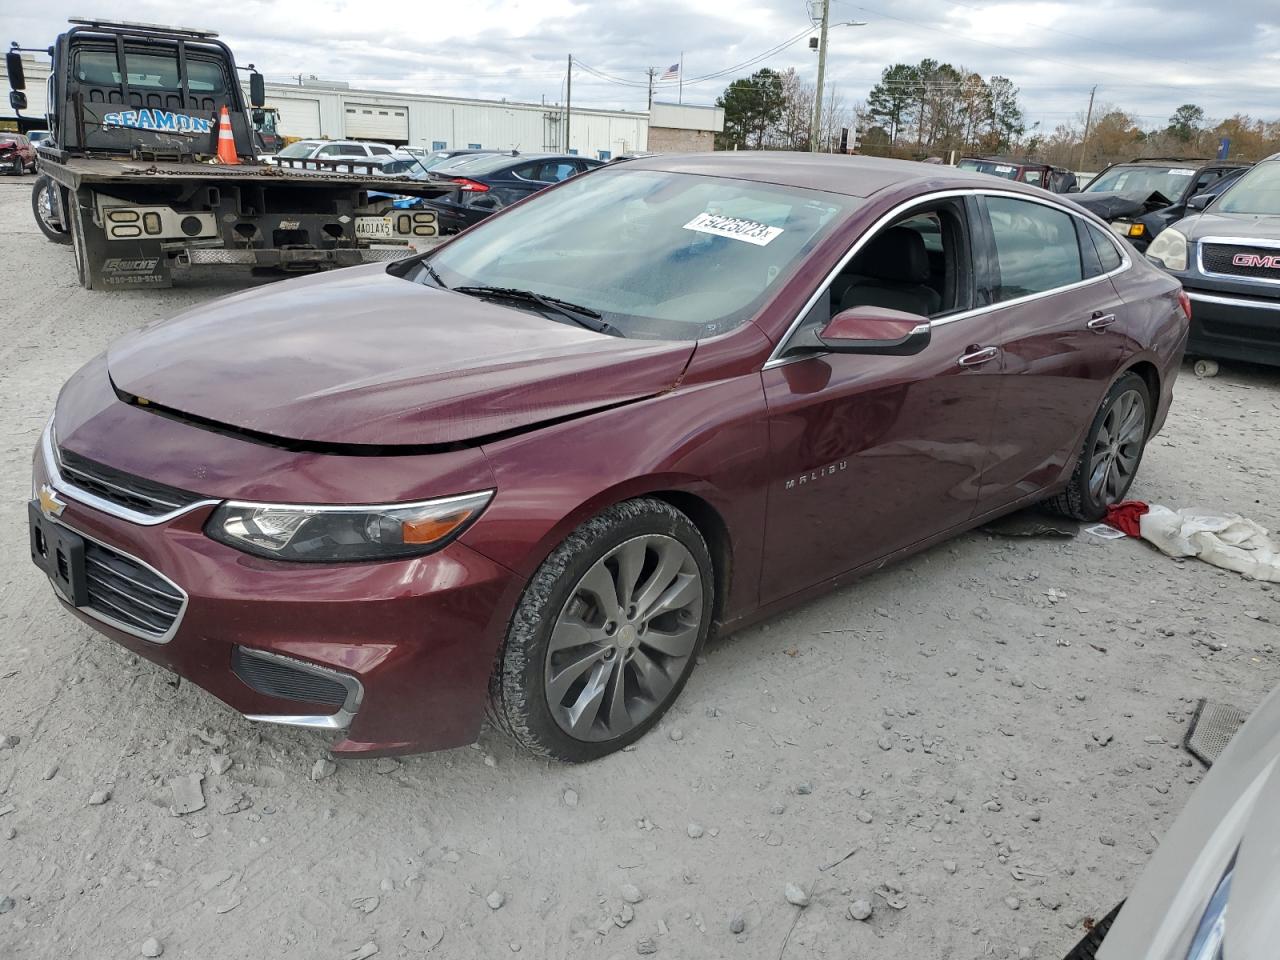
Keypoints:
pixel 407 163
pixel 1142 197
pixel 1227 258
pixel 38 137
pixel 486 184
pixel 536 467
pixel 1210 890
pixel 17 155
pixel 333 150
pixel 1022 170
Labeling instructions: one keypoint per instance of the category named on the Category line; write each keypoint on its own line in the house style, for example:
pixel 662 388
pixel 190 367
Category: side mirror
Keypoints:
pixel 257 90
pixel 875 330
pixel 1200 201
pixel 17 78
pixel 17 100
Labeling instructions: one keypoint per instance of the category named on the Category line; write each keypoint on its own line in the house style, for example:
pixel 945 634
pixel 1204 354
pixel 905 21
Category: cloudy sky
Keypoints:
pixel 1147 56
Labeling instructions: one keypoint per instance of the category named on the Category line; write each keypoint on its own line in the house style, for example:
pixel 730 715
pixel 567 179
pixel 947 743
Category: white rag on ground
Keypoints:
pixel 1222 539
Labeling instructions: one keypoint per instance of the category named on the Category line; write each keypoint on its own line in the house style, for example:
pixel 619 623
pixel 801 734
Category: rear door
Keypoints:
pixel 1058 322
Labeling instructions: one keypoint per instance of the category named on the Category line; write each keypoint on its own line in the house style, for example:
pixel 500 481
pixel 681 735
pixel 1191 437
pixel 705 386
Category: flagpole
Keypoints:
pixel 682 76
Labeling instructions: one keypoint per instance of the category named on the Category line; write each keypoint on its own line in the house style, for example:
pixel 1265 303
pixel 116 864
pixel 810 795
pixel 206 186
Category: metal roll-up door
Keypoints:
pixel 377 121
pixel 298 118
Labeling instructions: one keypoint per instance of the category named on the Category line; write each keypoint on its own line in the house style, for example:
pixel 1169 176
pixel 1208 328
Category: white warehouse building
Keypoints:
pixel 332 110
pixel 328 110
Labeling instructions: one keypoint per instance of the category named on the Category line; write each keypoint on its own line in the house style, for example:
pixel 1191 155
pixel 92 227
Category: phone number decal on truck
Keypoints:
pixel 161 120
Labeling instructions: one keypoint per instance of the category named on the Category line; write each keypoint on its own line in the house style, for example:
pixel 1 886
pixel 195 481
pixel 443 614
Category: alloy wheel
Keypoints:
pixel 623 638
pixel 1117 447
pixel 45 209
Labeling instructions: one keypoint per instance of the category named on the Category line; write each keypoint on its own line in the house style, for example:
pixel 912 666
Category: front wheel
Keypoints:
pixel 44 205
pixel 606 633
pixel 1112 451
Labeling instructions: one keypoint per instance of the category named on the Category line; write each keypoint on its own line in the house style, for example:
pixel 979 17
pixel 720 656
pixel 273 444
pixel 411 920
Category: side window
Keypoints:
pixel 919 264
pixel 331 150
pixel 355 150
pixel 1107 252
pixel 1034 177
pixel 1203 181
pixel 528 171
pixel 1036 248
pixel 380 151
pixel 554 172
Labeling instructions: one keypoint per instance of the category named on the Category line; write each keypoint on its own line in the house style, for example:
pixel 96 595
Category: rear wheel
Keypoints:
pixel 606 633
pixel 44 205
pixel 1112 451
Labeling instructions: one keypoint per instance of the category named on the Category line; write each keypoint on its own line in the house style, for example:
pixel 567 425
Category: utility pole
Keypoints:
pixel 1088 117
pixel 822 70
pixel 568 103
pixel 652 73
pixel 680 99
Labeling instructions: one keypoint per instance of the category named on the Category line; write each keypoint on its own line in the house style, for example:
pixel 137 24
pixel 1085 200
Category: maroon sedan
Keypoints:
pixel 535 468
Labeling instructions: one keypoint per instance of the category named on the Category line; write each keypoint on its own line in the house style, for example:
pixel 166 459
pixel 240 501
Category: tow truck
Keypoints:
pixel 131 175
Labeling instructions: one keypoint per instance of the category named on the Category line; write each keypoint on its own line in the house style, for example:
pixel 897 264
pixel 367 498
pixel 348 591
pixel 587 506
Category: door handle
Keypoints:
pixel 1100 321
pixel 978 355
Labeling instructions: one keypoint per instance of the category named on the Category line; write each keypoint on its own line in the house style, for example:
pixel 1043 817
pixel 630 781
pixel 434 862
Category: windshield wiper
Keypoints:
pixel 582 316
pixel 431 271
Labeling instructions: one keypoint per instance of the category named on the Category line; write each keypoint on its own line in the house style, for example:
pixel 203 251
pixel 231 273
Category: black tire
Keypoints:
pixel 518 696
pixel 1079 500
pixel 1091 943
pixel 46 186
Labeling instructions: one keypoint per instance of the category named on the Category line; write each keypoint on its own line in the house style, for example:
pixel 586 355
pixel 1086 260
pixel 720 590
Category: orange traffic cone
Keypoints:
pixel 226 139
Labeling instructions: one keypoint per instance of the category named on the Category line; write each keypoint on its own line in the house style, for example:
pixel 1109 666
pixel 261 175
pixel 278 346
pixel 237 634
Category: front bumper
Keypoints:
pixel 410 642
pixel 1234 326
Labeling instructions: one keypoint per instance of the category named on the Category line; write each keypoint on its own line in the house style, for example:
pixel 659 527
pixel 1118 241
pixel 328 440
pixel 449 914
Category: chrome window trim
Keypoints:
pixel 777 359
pixel 62 485
pixel 111 621
pixel 1266 244
pixel 1233 301
pixel 331 721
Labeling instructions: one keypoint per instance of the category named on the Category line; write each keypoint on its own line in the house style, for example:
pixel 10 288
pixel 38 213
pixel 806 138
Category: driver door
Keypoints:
pixel 871 454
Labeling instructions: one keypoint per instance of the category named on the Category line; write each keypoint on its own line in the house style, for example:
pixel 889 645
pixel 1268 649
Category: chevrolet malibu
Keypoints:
pixel 532 470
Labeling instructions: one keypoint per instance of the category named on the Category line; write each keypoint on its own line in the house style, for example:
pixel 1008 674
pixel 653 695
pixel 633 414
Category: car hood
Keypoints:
pixel 361 357
pixel 1233 809
pixel 1246 226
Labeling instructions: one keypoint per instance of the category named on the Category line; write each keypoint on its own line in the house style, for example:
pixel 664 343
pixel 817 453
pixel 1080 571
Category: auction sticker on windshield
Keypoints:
pixel 748 231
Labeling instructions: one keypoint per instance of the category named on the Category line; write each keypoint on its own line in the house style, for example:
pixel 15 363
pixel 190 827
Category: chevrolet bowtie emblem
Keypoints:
pixel 50 505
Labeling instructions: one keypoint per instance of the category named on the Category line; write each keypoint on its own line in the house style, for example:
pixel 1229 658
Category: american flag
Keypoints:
pixel 673 71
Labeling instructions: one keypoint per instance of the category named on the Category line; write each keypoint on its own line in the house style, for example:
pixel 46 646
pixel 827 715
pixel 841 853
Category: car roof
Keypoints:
pixel 855 176
pixel 1185 161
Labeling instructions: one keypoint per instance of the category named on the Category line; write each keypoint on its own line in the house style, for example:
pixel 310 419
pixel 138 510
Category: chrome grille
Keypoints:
pixel 129 594
pixel 123 489
pixel 1220 258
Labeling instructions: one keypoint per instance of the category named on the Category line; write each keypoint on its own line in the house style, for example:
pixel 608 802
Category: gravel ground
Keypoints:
pixel 981 743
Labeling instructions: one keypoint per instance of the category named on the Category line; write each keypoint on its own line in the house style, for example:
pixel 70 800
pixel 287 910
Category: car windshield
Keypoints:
pixel 1167 181
pixel 659 255
pixel 1258 191
pixel 993 167
pixel 299 150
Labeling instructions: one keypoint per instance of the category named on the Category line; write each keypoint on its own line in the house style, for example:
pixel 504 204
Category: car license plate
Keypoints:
pixel 60 554
pixel 373 228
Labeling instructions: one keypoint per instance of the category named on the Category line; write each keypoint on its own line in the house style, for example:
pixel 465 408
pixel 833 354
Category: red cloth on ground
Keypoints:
pixel 1125 516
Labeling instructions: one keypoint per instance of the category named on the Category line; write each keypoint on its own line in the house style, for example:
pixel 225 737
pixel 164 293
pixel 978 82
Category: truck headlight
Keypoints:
pixel 1207 943
pixel 1170 248
pixel 327 534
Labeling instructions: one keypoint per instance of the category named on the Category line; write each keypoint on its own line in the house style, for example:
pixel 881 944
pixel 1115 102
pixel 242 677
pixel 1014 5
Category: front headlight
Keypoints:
pixel 1170 248
pixel 325 534
pixel 1207 943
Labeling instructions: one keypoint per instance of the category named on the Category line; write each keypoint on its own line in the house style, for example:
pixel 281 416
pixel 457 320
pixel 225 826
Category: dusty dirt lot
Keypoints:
pixel 990 731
